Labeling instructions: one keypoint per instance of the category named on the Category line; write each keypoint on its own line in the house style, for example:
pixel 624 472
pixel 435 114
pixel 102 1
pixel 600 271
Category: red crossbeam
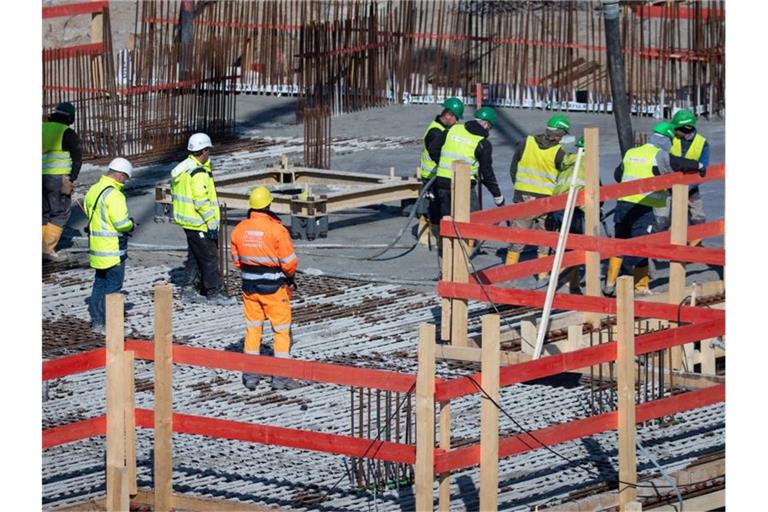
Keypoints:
pixel 59 11
pixel 570 258
pixel 590 356
pixel 293 368
pixel 468 456
pixel 287 437
pixel 75 431
pixel 72 52
pixel 677 12
pixel 77 363
pixel 604 305
pixel 550 204
pixel 630 247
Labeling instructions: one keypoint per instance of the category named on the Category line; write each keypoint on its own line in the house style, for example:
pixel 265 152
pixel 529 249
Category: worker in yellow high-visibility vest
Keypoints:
pixel 108 222
pixel 689 143
pixel 62 158
pixel 535 165
pixel 636 215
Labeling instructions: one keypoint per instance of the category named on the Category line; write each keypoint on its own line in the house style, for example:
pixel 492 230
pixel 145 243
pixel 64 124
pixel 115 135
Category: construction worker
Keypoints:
pixel 196 210
pixel 535 165
pixel 261 248
pixel 554 220
pixel 108 224
pixel 62 158
pixel 468 142
pixel 434 136
pixel 690 144
pixel 634 215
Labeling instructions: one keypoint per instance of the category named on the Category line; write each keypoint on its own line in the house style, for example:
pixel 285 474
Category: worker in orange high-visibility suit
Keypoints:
pixel 262 250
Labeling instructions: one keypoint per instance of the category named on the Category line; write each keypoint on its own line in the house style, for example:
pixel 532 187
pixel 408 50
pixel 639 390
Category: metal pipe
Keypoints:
pixel 616 72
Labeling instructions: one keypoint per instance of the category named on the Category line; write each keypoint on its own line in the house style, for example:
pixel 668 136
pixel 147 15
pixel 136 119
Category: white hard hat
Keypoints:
pixel 122 165
pixel 198 142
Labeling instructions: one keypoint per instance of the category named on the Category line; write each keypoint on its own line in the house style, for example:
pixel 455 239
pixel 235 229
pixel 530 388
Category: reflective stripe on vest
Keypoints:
pixel 185 208
pixel 694 150
pixel 638 164
pixel 427 165
pixel 564 178
pixel 536 170
pixel 104 240
pixel 55 159
pixel 459 144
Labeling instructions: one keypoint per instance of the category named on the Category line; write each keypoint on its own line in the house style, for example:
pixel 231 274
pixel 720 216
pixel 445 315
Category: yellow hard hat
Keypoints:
pixel 260 198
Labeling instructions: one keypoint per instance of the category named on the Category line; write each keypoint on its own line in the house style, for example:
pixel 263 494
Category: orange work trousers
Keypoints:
pixel 275 307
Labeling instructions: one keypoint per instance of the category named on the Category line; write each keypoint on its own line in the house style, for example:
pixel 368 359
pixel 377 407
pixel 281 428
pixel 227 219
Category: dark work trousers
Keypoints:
pixel 202 262
pixel 56 206
pixel 106 281
pixel 440 206
pixel 422 209
pixel 632 220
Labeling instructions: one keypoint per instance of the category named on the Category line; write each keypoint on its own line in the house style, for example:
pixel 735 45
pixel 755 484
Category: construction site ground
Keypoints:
pixel 347 310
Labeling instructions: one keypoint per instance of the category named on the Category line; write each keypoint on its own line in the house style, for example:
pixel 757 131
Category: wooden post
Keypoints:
pixel 528 333
pixel 679 216
pixel 592 216
pixel 118 476
pixel 688 348
pixel 163 399
pixel 633 506
pixel 391 173
pixel 445 444
pixel 478 96
pixel 130 422
pixel 625 366
pixel 425 418
pixel 707 358
pixel 116 391
pixel 460 203
pixel 445 312
pixel 97 61
pixel 489 415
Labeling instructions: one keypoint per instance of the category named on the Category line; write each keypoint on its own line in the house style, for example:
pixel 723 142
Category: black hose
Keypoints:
pixel 616 73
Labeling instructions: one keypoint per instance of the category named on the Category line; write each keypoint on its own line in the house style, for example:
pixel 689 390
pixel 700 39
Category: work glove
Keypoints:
pixel 66 186
pixel 212 234
pixel 702 170
pixel 292 282
pixel 129 233
pixel 499 201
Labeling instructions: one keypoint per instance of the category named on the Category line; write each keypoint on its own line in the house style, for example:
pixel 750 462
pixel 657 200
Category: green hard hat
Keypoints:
pixel 455 105
pixel 486 114
pixel 684 118
pixel 559 122
pixel 665 128
pixel 65 108
pixel 580 142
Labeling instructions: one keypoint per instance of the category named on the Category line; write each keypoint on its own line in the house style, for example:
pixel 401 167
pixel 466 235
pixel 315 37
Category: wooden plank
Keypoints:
pixel 633 506
pixel 625 375
pixel 678 234
pixel 473 354
pixel 425 418
pixel 163 399
pixel 445 444
pixel 115 401
pixel 130 421
pixel 592 216
pixel 711 501
pixel 445 311
pixel 460 206
pixel 489 415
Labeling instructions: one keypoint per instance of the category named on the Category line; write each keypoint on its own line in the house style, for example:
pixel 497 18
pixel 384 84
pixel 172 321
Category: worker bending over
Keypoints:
pixel 634 215
pixel 535 165
pixel 433 139
pixel 261 248
pixel 108 224
pixel 196 210
pixel 690 144
pixel 468 143
pixel 62 158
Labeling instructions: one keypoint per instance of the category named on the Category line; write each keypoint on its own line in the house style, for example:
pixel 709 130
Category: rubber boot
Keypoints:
pixel 284 383
pixel 512 257
pixel 251 380
pixel 614 265
pixel 543 276
pixel 470 246
pixel 51 235
pixel 642 279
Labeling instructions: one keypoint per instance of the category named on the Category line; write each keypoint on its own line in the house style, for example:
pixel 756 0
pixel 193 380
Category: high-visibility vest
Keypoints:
pixel 694 150
pixel 428 165
pixel 564 178
pixel 55 159
pixel 638 164
pixel 107 210
pixel 195 203
pixel 460 144
pixel 536 170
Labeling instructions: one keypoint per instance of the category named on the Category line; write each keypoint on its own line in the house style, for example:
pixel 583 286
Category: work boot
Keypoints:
pixel 614 266
pixel 543 276
pixel 284 384
pixel 190 295
pixel 251 380
pixel 219 299
pixel 642 280
pixel 512 257
pixel 51 235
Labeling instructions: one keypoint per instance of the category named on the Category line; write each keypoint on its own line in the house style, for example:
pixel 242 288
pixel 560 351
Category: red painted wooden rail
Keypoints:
pixel 60 11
